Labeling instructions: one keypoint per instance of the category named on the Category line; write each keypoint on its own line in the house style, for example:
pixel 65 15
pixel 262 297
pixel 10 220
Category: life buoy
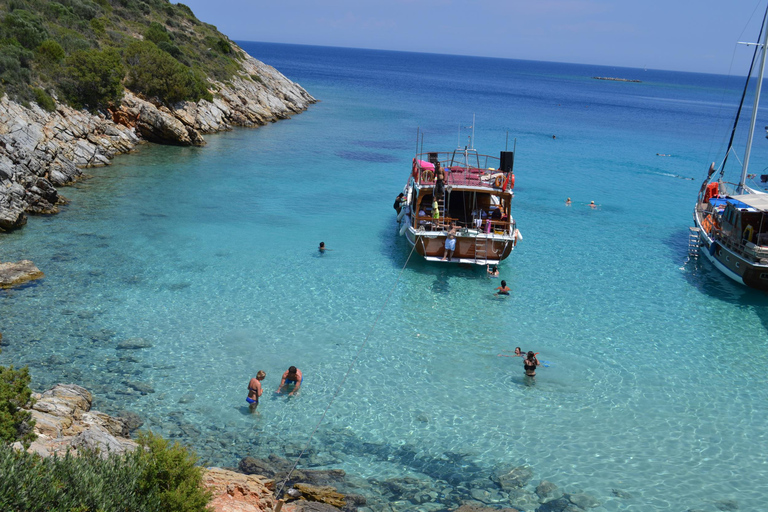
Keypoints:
pixel 404 227
pixel 427 175
pixel 497 182
pixel 511 181
pixel 415 170
pixel 749 232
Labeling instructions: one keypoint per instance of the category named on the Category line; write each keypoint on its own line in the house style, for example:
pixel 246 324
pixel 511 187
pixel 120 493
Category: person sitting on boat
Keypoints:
pixel 399 202
pixel 439 180
pixel 450 243
pixel 292 379
pixel 497 214
pixel 503 289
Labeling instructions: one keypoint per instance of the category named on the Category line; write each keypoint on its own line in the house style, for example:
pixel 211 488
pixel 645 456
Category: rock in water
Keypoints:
pixel 14 274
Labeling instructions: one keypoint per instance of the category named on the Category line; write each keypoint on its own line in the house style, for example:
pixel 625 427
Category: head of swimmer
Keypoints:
pixel 261 375
pixel 292 372
pixel 531 355
pixel 518 351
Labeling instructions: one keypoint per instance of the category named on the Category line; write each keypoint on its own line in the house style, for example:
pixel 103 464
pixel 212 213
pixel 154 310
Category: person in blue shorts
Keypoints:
pixel 450 243
pixel 291 380
pixel 254 390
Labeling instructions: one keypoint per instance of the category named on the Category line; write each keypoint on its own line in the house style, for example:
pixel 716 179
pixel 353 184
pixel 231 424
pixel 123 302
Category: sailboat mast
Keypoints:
pixel 753 119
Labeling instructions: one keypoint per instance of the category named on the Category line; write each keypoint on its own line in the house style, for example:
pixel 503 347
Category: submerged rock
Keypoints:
pixel 16 273
pixel 512 478
pixel 134 344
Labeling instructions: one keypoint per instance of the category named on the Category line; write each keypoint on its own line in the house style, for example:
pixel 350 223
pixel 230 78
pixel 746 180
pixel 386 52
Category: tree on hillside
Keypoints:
pixel 16 424
pixel 93 78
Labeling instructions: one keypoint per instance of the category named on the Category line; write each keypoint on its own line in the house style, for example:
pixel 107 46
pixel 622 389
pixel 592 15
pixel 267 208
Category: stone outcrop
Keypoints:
pixel 64 421
pixel 19 272
pixel 40 151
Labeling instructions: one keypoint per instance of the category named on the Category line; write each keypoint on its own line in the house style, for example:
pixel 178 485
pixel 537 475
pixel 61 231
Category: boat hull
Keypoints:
pixel 733 265
pixel 431 245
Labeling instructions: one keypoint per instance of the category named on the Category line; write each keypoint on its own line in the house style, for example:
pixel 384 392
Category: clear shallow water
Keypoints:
pixel 657 383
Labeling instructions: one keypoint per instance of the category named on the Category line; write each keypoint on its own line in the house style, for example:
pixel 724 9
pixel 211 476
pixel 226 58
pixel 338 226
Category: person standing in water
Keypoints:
pixel 254 390
pixel 292 380
pixel 503 289
pixel 530 363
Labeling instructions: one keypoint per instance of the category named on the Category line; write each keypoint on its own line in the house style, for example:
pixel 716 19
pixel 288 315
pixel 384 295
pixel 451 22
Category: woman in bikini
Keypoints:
pixel 530 363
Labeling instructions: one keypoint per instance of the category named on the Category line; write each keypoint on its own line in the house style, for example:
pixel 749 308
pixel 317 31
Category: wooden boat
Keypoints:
pixel 474 210
pixel 731 219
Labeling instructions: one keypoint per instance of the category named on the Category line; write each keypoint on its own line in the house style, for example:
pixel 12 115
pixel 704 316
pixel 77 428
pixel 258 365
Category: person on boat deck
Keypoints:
pixel 497 214
pixel 399 202
pixel 254 390
pixel 292 378
pixel 422 213
pixel 450 243
pixel 503 289
pixel 530 363
pixel 439 180
pixel 493 272
pixel 435 208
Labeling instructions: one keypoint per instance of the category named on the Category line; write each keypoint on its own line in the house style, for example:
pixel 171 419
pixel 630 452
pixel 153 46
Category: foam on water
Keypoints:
pixel 656 383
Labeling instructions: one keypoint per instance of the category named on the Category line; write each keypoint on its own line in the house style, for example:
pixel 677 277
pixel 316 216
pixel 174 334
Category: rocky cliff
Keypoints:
pixel 41 151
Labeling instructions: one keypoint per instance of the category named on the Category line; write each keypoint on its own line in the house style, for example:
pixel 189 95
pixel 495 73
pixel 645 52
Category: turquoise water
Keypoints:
pixel 657 382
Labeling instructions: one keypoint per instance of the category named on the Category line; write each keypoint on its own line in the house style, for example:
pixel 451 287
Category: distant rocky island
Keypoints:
pixel 85 81
pixel 613 79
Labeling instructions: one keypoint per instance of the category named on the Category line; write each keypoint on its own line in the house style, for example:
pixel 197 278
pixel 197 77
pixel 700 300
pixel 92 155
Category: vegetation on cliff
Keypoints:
pixel 84 52
pixel 161 476
pixel 16 424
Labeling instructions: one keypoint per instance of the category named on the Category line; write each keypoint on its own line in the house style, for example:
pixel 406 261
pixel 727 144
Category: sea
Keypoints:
pixel 653 394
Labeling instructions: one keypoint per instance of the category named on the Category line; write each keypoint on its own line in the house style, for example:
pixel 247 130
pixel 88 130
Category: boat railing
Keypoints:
pixel 429 223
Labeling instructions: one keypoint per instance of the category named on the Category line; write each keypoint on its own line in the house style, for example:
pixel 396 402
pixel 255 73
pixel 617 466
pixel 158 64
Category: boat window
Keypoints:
pixel 763 276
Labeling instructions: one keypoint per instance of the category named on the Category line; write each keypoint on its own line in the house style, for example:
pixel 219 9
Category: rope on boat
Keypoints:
pixel 344 379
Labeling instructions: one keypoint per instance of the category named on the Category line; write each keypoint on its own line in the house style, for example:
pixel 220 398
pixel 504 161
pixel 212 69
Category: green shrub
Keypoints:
pixel 50 51
pixel 16 424
pixel 98 25
pixel 170 471
pixel 14 66
pixel 161 477
pixel 257 78
pixel 157 33
pixel 156 74
pixel 93 78
pixel 25 27
pixel 44 99
pixel 170 49
pixel 83 9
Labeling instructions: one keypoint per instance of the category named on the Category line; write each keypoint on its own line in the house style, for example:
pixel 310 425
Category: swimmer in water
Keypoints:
pixel 322 248
pixel 592 205
pixel 292 380
pixel 503 289
pixel 492 271
pixel 568 202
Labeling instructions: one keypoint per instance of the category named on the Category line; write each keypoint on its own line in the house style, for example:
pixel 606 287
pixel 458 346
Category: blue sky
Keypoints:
pixel 683 35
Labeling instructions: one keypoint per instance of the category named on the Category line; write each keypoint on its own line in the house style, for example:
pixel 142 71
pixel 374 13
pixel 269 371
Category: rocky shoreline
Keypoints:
pixel 65 422
pixel 40 150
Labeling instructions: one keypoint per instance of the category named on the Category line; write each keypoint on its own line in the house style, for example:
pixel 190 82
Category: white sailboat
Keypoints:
pixel 731 219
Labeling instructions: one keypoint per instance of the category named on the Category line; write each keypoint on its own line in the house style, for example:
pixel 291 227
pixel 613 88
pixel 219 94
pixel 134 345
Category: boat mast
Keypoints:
pixel 753 119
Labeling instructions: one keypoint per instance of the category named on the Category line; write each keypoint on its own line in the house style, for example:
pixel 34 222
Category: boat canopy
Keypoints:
pixel 757 202
pixel 718 202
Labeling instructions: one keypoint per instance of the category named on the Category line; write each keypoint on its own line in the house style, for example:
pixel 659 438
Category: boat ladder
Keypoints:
pixel 694 242
pixel 481 248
